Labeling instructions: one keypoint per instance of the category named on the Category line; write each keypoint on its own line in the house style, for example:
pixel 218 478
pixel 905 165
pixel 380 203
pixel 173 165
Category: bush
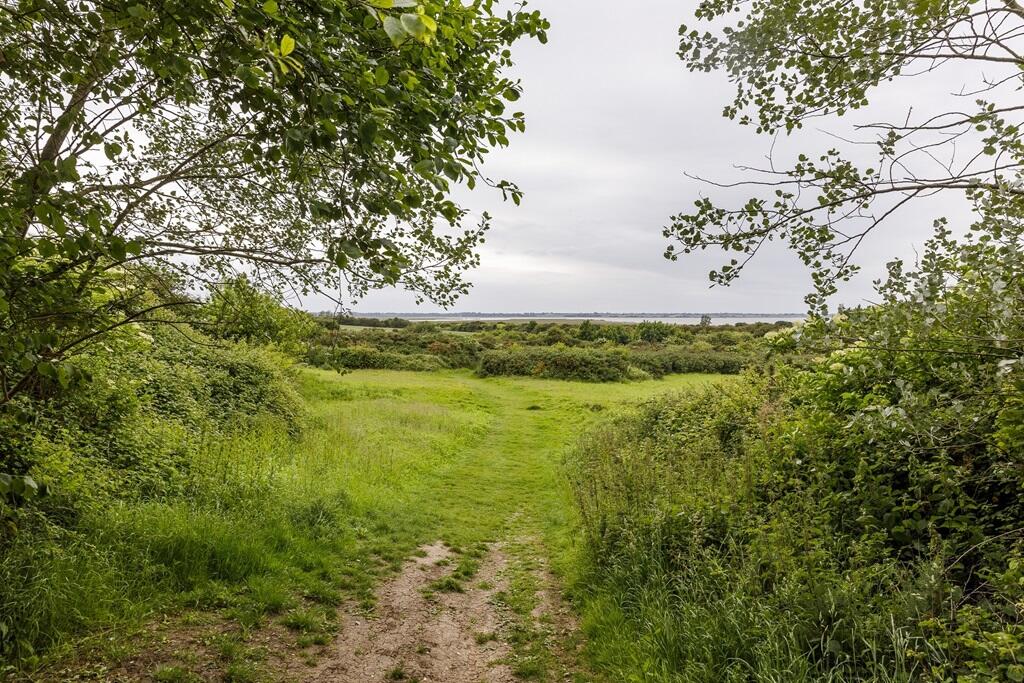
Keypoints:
pixel 367 357
pixel 606 365
pixel 732 536
pixel 558 362
pixel 239 311
pixel 424 347
pixel 679 360
pixel 118 454
pixel 429 346
pixel 858 519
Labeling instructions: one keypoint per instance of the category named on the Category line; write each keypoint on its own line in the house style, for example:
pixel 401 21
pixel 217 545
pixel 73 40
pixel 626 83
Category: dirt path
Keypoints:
pixel 433 622
pixel 419 634
pixel 429 629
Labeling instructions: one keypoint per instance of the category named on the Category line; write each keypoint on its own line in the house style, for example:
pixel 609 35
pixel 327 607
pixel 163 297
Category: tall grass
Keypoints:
pixel 162 515
pixel 691 579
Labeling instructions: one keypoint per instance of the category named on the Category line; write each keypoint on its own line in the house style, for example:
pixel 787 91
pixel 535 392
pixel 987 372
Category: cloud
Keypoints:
pixel 613 121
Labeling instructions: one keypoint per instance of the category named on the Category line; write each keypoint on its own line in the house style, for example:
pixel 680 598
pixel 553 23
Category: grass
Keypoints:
pixel 274 527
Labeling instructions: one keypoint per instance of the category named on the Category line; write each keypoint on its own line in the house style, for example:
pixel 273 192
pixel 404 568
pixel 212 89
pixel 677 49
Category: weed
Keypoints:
pixel 269 595
pixel 447 584
pixel 175 674
pixel 304 620
pixel 241 672
pixel 482 638
pixel 310 639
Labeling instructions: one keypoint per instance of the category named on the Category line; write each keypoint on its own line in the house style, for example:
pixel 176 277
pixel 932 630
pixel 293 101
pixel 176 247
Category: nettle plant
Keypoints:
pixel 306 144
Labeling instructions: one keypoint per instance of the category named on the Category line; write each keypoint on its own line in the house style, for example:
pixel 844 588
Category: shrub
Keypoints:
pixel 430 346
pixel 558 362
pixel 858 518
pixel 239 311
pixel 118 454
pixel 679 360
pixel 722 547
pixel 426 348
pixel 654 332
pixel 367 357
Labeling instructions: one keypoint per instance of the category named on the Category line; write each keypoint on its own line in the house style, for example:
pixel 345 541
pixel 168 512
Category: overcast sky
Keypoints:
pixel 613 122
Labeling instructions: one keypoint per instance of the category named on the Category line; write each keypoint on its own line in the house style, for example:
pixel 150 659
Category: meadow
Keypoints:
pixel 278 517
pixel 208 504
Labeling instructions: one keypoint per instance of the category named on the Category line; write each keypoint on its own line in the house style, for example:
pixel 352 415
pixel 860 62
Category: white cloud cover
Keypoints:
pixel 613 122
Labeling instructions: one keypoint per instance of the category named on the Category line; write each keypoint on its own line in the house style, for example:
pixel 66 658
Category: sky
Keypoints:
pixel 614 124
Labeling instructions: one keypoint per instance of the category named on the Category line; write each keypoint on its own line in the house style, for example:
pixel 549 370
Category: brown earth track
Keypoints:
pixel 417 635
pixel 416 632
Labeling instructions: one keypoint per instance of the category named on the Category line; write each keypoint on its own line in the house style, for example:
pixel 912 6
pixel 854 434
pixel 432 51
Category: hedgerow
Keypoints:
pixel 367 357
pixel 859 519
pixel 587 365
pixel 678 360
pixel 141 431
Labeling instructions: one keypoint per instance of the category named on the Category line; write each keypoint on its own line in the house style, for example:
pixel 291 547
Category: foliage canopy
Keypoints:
pixel 793 61
pixel 153 144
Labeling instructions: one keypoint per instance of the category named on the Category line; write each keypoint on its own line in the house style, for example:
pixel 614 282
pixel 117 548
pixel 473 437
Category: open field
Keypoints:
pixel 245 579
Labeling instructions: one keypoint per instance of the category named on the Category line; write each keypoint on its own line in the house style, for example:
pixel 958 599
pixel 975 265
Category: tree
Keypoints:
pixel 587 331
pixel 793 61
pixel 303 143
pixel 239 311
pixel 654 332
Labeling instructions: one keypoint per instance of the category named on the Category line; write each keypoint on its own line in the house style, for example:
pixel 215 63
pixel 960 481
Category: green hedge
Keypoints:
pixel 144 431
pixel 587 365
pixel 367 357
pixel 606 365
pixel 779 531
pixel 674 360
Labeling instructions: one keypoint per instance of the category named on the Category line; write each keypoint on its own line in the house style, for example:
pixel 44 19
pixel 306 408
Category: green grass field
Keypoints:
pixel 281 531
pixel 447 455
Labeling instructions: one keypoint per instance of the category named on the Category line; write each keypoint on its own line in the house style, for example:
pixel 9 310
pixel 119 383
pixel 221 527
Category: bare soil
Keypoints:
pixel 420 630
pixel 416 634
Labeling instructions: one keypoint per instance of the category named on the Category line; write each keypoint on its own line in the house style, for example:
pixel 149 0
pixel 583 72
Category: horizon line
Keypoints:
pixel 572 314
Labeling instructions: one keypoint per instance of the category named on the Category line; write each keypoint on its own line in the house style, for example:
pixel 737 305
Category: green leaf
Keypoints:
pixel 396 32
pixel 92 221
pixel 425 167
pixel 270 7
pixel 117 248
pixel 46 248
pixel 67 168
pixel 287 45
pixel 414 26
pixel 368 131
pixel 381 75
pixel 350 248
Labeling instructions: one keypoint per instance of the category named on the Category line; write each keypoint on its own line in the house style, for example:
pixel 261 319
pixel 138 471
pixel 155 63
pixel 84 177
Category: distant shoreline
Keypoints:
pixel 475 315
